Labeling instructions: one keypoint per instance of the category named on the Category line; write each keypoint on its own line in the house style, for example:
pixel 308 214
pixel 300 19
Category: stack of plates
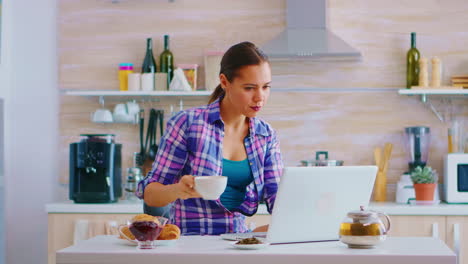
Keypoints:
pixel 460 81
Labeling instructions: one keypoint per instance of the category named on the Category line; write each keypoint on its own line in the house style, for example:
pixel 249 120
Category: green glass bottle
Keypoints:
pixel 166 60
pixel 412 64
pixel 149 64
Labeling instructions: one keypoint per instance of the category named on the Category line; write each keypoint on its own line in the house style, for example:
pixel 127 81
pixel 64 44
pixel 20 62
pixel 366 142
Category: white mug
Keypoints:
pixel 102 115
pixel 133 108
pixel 210 187
pixel 120 109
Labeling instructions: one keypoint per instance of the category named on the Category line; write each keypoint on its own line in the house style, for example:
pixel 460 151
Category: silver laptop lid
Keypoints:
pixel 312 201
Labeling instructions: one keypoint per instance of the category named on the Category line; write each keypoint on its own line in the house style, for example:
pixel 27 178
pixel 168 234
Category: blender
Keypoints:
pixel 417 145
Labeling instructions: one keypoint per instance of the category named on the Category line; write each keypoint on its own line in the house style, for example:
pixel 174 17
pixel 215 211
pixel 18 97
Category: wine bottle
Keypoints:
pixel 149 65
pixel 166 60
pixel 412 63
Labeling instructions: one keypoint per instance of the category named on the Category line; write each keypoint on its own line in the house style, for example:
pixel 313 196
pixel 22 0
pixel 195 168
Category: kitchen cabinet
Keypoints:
pixel 457 236
pixel 418 226
pixel 61 228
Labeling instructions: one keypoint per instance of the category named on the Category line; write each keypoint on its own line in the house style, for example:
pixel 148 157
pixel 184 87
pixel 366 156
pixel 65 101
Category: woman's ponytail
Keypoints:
pixel 218 92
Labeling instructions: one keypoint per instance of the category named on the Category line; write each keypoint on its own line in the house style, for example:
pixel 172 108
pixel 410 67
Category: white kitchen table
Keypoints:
pixel 212 249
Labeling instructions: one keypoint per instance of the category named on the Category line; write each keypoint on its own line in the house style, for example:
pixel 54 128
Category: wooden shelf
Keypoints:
pixel 433 91
pixel 135 93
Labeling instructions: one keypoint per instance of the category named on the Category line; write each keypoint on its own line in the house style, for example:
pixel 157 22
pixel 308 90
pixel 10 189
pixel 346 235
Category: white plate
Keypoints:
pixel 157 242
pixel 249 246
pixel 239 236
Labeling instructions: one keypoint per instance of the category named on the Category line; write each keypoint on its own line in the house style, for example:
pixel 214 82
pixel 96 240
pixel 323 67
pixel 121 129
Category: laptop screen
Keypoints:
pixel 312 201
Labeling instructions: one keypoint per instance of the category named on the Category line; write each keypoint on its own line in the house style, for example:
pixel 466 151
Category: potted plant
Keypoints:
pixel 424 181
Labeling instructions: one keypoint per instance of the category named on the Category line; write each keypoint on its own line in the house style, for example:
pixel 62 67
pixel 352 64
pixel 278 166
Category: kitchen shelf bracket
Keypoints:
pixel 433 109
pixel 444 94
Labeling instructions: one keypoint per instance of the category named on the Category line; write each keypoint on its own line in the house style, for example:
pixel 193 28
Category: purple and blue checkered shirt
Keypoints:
pixel 192 145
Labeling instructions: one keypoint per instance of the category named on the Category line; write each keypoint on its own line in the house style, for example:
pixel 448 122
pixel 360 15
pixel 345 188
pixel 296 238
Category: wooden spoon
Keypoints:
pixel 378 157
pixel 387 153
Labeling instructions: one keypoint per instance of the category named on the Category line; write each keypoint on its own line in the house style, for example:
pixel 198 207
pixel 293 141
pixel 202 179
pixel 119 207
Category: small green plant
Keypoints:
pixel 424 175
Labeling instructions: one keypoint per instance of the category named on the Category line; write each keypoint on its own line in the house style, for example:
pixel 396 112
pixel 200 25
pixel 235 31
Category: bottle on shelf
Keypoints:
pixel 149 66
pixel 412 64
pixel 124 70
pixel 166 60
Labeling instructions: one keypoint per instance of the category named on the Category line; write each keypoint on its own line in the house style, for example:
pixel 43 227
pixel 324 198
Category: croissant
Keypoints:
pixel 169 232
pixel 126 232
pixel 145 217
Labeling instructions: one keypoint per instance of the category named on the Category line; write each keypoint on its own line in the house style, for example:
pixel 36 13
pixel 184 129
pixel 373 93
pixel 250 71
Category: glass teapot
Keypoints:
pixel 364 228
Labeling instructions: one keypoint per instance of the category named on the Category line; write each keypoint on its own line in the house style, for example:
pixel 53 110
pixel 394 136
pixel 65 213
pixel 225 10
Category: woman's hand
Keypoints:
pixel 185 188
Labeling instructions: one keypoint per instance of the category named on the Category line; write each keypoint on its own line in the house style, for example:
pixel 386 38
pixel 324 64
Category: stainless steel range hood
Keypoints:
pixel 307 35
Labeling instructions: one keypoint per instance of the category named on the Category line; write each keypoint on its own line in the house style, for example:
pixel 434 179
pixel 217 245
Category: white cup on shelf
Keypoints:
pixel 102 115
pixel 134 82
pixel 147 82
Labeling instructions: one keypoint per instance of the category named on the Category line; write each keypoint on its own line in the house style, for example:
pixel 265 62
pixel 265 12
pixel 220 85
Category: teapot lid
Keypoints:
pixel 362 213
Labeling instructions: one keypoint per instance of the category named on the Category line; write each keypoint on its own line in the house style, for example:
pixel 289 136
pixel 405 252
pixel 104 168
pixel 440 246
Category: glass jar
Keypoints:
pixel 134 176
pixel 364 229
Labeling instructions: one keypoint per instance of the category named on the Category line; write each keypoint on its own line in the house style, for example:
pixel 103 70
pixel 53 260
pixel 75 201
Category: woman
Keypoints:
pixel 222 138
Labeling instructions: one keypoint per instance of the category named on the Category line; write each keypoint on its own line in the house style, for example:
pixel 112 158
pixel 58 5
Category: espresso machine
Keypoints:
pixel 95 169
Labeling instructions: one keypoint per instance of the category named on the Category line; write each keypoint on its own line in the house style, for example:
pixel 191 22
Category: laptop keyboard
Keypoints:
pixel 239 236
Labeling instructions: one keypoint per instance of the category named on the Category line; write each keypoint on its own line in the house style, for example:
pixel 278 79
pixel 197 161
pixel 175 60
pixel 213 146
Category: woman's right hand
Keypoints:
pixel 185 188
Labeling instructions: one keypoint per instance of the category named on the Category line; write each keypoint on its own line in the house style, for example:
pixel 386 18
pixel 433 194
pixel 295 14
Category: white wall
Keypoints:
pixel 4 88
pixel 28 82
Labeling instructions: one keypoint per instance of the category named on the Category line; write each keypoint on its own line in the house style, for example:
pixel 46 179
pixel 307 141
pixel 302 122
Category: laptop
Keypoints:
pixel 312 202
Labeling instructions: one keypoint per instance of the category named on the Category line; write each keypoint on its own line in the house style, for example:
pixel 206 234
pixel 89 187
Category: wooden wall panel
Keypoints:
pixel 96 35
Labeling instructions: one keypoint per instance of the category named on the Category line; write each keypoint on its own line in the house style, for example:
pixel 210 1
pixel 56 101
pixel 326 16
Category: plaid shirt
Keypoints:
pixel 192 145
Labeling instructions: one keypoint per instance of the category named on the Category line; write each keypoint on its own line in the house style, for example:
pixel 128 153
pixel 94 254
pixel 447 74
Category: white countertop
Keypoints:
pixel 212 249
pixel 125 207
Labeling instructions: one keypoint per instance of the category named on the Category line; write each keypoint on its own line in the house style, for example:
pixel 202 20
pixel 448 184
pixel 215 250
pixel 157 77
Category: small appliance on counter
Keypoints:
pixel 405 190
pixel 456 178
pixel 417 141
pixel 95 169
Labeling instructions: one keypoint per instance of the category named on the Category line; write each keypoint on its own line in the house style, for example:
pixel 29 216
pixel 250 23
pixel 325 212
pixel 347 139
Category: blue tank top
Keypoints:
pixel 239 176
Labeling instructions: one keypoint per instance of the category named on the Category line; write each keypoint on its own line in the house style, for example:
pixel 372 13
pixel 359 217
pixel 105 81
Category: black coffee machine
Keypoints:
pixel 95 169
